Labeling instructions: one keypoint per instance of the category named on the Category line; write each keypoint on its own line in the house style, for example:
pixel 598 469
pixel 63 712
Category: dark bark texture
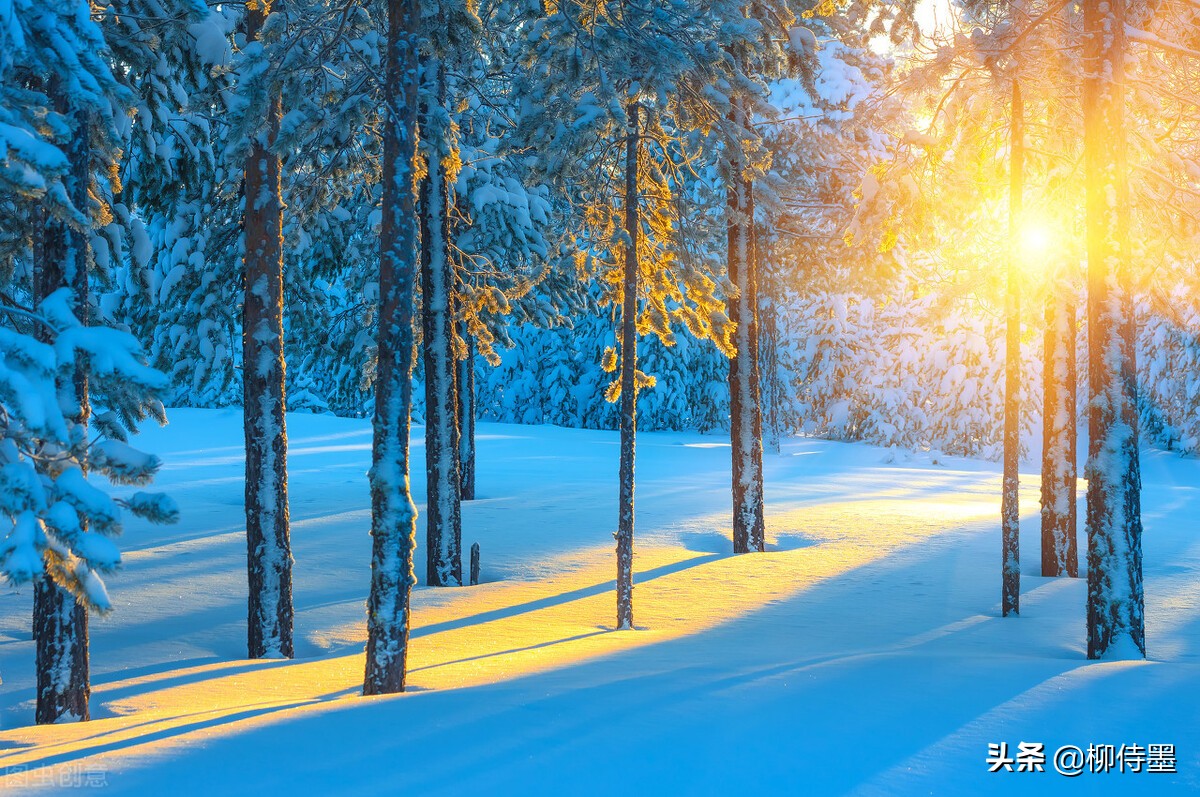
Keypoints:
pixel 60 623
pixel 443 512
pixel 393 515
pixel 628 402
pixel 268 543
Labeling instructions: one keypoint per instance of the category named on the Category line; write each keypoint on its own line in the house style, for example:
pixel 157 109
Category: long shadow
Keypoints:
pixel 99 725
pixel 166 733
pixel 563 597
pixel 209 616
pixel 537 646
pixel 650 685
pixel 994 679
pixel 618 692
pixel 542 603
pixel 479 618
pixel 876 707
pixel 483 617
pixel 218 669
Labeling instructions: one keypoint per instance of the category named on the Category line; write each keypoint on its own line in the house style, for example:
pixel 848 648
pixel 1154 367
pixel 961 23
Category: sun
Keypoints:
pixel 1034 239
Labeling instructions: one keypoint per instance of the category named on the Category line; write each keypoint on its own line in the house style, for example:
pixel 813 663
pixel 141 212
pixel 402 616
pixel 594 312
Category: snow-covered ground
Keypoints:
pixel 863 654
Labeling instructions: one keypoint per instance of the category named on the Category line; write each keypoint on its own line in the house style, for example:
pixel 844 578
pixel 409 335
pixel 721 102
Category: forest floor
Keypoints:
pixel 863 653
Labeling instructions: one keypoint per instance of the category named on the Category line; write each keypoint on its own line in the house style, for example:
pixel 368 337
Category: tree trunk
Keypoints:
pixel 768 343
pixel 1060 376
pixel 465 390
pixel 268 544
pixel 1010 498
pixel 60 623
pixel 1059 554
pixel 745 412
pixel 1115 608
pixel 753 264
pixel 628 406
pixel 443 518
pixel 393 515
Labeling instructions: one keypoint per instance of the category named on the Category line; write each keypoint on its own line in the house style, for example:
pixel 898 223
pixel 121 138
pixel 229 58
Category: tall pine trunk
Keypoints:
pixel 1115 608
pixel 465 390
pixel 1060 556
pixel 443 513
pixel 60 623
pixel 393 515
pixel 745 411
pixel 1010 499
pixel 628 405
pixel 1060 376
pixel 268 544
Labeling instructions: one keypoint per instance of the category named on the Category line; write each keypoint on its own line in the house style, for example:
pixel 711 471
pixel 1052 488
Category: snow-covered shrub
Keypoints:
pixel 903 372
pixel 55 522
pixel 1169 374
pixel 556 376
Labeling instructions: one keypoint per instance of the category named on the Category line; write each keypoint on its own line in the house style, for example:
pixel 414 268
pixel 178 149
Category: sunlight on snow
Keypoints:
pixel 506 629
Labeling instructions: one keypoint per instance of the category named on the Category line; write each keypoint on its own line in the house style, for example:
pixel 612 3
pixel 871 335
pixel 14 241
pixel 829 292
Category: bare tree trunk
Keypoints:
pixel 443 513
pixel 1010 499
pixel 745 413
pixel 1115 615
pixel 60 623
pixel 268 543
pixel 628 406
pixel 1060 556
pixel 466 418
pixel 393 515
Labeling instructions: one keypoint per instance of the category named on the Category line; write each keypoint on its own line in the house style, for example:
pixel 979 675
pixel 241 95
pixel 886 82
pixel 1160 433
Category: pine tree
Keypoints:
pixel 1010 498
pixel 443 514
pixel 819 128
pixel 55 365
pixel 1060 378
pixel 1115 605
pixel 587 71
pixel 61 110
pixel 745 404
pixel 762 53
pixel 175 281
pixel 268 544
pixel 745 159
pixel 504 265
pixel 628 372
pixel 324 58
pixel 60 622
pixel 393 515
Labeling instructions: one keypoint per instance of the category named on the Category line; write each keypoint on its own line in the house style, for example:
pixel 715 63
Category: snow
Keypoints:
pixel 863 653
pixel 837 82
